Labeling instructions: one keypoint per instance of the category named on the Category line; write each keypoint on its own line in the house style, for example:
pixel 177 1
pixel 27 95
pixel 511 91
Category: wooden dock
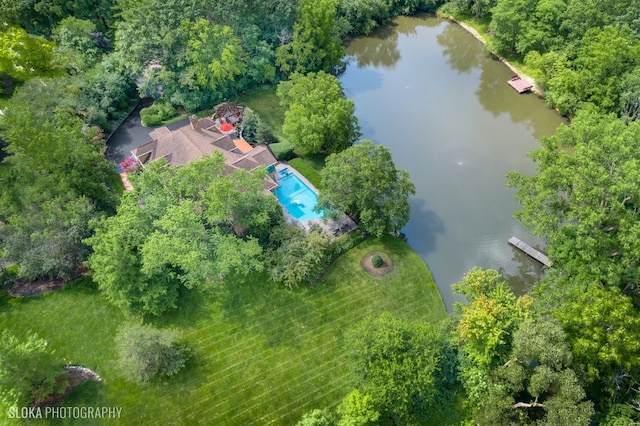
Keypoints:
pixel 520 85
pixel 526 248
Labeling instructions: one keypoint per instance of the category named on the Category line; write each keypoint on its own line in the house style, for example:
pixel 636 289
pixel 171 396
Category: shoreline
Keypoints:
pixel 536 89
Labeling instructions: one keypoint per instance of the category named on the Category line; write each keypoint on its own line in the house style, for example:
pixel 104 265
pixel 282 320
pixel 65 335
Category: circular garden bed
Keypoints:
pixel 377 263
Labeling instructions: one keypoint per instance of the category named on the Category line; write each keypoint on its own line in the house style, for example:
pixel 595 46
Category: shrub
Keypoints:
pixel 377 261
pixel 157 113
pixel 283 151
pixel 29 371
pixel 255 130
pixel 146 352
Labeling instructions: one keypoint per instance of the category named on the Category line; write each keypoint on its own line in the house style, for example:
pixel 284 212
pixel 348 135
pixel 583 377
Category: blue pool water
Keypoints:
pixel 299 200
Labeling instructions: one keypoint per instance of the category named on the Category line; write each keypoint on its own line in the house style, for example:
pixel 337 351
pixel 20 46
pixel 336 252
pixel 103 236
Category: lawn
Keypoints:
pixel 266 103
pixel 261 354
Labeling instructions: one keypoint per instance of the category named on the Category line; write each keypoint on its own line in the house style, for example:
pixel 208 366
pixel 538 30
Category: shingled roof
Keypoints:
pixel 197 139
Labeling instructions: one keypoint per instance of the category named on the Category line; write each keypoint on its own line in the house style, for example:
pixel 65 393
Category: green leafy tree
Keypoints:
pixel 55 184
pixel 23 56
pixel 46 237
pixel 214 57
pixel 165 235
pixel 357 409
pixel 488 321
pixel 537 385
pixel 584 199
pixel 146 353
pixel 248 209
pixel 364 182
pixel 76 49
pixel 630 95
pixel 318 117
pixel 508 20
pixel 485 327
pixel 395 363
pixel 29 371
pixel 315 45
pixel 603 329
pixel 41 16
pixel 299 254
pixel 316 418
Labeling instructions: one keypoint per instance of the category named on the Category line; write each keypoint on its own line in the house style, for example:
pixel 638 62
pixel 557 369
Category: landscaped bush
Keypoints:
pixel 307 171
pixel 377 261
pixel 146 352
pixel 157 113
pixel 283 151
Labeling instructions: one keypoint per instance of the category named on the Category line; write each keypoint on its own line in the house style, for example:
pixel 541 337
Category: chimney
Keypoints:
pixel 195 124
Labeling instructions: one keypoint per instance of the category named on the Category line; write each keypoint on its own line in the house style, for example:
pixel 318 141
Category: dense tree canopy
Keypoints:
pixel 318 117
pixel 584 199
pixel 395 363
pixel 56 183
pixel 364 182
pixel 315 45
pixel 175 230
pixel 537 384
pixel 29 371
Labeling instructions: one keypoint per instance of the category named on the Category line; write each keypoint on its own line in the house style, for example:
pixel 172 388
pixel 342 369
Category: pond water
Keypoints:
pixel 426 89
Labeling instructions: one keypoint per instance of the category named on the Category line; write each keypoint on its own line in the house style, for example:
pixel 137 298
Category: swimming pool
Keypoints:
pixel 295 196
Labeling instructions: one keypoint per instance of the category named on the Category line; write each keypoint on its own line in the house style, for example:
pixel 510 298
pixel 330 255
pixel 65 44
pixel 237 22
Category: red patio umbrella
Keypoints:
pixel 226 127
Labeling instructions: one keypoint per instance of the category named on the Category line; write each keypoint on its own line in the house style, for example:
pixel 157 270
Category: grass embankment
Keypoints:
pixel 307 171
pixel 261 354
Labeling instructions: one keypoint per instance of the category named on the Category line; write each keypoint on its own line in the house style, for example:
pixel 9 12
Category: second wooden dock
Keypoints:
pixel 526 248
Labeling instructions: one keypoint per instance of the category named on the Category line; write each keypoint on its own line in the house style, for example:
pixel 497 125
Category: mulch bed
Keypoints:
pixel 76 377
pixel 25 288
pixel 387 265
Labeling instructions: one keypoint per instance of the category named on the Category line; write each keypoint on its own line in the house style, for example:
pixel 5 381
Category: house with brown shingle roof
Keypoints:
pixel 199 138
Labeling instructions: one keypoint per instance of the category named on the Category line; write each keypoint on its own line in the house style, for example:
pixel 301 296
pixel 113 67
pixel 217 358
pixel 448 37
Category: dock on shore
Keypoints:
pixel 527 249
pixel 520 85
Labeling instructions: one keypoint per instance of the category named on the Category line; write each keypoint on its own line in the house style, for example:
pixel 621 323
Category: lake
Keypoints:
pixel 426 88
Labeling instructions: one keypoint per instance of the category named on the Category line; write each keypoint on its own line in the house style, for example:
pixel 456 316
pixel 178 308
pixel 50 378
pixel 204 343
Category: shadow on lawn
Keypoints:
pixel 266 309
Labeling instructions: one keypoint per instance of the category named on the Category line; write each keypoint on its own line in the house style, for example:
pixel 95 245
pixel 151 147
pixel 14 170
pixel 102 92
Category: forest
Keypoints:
pixel 564 354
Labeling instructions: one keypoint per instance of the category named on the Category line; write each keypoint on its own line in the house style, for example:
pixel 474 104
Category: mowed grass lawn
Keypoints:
pixel 262 354
pixel 267 104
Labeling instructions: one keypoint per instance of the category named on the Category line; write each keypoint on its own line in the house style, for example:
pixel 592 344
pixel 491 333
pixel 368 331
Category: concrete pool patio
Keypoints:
pixel 338 227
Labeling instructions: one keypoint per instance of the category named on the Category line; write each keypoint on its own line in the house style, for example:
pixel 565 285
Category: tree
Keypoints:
pixel 486 324
pixel 357 409
pixel 485 327
pixel 537 385
pixel 508 19
pixel 146 353
pixel 76 48
pixel 603 329
pixel 316 418
pixel 40 16
pixel 630 95
pixel 318 117
pixel 214 57
pixel 316 45
pixel 363 181
pixel 168 233
pixel 584 201
pixel 394 363
pixel 298 255
pixel 46 237
pixel 56 182
pixel 23 56
pixel 29 371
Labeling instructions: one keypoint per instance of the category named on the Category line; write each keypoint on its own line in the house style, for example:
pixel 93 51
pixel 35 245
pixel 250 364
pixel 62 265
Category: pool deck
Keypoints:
pixel 336 228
